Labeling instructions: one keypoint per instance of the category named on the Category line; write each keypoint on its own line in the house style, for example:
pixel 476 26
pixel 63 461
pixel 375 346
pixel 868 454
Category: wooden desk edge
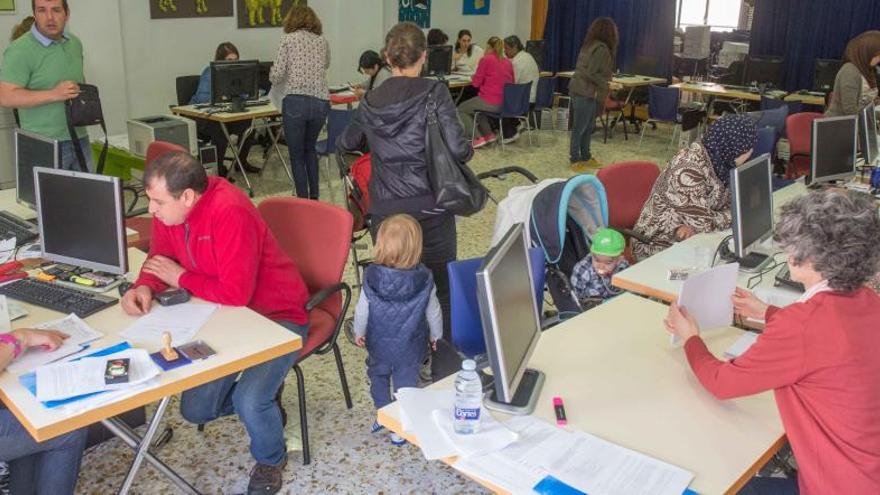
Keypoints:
pixel 642 290
pixel 226 117
pixel 395 426
pixel 93 416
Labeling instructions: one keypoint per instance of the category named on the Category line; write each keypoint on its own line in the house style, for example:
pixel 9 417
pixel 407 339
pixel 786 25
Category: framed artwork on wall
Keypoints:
pixel 417 11
pixel 7 6
pixel 475 7
pixel 182 9
pixel 264 13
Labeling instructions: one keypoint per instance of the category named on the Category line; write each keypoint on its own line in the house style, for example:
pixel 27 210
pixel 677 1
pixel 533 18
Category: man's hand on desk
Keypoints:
pixel 166 269
pixel 681 324
pixel 137 301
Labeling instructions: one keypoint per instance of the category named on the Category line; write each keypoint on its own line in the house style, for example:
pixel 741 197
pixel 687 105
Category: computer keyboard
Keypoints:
pixel 55 297
pixel 11 225
pixel 256 103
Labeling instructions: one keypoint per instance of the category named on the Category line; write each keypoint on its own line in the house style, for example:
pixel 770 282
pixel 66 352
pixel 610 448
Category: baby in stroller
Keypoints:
pixel 591 276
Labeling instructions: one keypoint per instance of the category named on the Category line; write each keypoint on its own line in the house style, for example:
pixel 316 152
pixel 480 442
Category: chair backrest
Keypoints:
pixel 159 148
pixel 627 187
pixel 799 128
pixel 186 88
pixel 663 103
pixel 316 236
pixel 464 317
pixel 337 120
pixel 544 93
pixel 766 141
pixel 516 99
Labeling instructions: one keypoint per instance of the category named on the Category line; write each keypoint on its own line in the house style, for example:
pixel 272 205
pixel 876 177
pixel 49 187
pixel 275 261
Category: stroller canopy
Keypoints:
pixel 580 199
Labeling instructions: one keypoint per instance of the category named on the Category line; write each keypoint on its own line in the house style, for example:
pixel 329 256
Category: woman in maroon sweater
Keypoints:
pixel 818 355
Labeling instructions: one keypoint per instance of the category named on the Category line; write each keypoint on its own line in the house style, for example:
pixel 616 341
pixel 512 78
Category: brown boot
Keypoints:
pixel 266 479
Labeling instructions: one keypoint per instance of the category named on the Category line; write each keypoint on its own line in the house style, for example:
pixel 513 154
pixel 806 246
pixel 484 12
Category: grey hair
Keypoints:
pixel 838 232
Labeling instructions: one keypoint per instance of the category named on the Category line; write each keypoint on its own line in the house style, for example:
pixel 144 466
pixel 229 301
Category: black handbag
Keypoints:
pixel 455 186
pixel 82 111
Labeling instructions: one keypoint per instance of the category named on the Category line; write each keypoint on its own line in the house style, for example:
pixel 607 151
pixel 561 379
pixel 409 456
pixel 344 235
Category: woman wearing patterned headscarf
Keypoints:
pixel 692 194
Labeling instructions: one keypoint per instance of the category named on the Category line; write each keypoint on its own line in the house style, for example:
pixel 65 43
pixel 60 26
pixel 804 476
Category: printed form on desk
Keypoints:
pixel 78 331
pixel 183 321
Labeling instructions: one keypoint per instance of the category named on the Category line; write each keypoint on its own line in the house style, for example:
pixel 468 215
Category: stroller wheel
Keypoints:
pixel 348 329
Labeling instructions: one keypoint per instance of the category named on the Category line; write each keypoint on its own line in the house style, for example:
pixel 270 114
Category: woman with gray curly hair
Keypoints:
pixel 818 355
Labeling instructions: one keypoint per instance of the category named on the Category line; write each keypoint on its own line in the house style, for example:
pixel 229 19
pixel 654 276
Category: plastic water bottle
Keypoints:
pixel 468 399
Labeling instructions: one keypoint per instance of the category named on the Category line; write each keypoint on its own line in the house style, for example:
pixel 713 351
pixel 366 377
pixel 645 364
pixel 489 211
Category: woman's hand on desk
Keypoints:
pixel 680 323
pixel 683 232
pixel 747 305
pixel 48 339
pixel 166 269
pixel 137 301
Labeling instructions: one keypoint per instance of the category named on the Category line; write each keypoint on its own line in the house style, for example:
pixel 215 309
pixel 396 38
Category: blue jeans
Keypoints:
pixel 68 159
pixel 49 467
pixel 304 116
pixel 583 112
pixel 381 375
pixel 252 397
pixel 771 486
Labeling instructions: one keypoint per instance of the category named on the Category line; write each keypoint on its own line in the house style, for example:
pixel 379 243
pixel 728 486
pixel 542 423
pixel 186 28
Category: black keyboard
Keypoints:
pixel 256 103
pixel 56 297
pixel 13 226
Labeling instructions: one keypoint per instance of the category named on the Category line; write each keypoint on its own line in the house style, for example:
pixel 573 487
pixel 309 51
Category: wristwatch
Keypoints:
pixel 8 338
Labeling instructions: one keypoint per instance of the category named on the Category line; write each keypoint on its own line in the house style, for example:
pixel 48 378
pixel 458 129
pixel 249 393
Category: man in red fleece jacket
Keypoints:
pixel 209 239
pixel 818 355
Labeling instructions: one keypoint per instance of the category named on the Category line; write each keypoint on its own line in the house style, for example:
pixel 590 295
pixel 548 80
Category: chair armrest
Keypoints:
pixel 324 293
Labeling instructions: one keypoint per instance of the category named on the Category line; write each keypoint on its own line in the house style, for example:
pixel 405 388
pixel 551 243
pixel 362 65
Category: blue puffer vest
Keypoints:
pixel 397 330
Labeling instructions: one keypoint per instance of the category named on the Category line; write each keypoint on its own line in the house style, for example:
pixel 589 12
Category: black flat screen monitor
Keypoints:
pixel 535 48
pixel 764 70
pixel 824 73
pixel 833 149
pixel 439 60
pixel 751 204
pixel 868 134
pixel 31 150
pixel 81 219
pixel 234 79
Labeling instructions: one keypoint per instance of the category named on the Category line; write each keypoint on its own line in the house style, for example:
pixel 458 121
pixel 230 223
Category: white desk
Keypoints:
pixel 241 338
pixel 649 277
pixel 8 203
pixel 622 382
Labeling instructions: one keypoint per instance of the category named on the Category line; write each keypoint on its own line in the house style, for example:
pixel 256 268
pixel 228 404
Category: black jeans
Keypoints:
pixel 304 116
pixel 214 133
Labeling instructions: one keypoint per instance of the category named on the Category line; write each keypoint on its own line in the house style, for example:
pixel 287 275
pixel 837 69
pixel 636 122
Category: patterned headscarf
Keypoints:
pixel 726 139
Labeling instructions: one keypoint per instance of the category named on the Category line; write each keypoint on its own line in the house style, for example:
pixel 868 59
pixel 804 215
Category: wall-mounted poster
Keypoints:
pixel 264 13
pixel 417 11
pixel 176 9
pixel 475 7
pixel 7 6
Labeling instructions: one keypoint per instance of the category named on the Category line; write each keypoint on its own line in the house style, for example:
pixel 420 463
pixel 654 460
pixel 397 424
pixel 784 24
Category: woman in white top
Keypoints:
pixel 466 55
pixel 301 69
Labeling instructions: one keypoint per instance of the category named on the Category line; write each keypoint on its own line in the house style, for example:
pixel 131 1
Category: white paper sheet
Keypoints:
pixel 491 437
pixel 707 297
pixel 418 405
pixel 5 325
pixel 16 310
pixel 58 381
pixel 183 321
pixel 741 345
pixel 79 334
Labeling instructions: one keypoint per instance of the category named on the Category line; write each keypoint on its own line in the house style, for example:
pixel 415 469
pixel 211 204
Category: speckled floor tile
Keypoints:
pixel 346 457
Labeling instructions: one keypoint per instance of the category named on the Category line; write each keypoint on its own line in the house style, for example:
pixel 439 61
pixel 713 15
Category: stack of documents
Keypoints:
pixel 79 335
pixel 59 381
pixel 182 321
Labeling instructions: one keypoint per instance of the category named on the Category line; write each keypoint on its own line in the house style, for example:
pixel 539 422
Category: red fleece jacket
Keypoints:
pixel 821 358
pixel 230 256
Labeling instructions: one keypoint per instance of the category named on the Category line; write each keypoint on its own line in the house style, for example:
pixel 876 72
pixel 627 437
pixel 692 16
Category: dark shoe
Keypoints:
pixel 251 169
pixel 222 171
pixel 266 479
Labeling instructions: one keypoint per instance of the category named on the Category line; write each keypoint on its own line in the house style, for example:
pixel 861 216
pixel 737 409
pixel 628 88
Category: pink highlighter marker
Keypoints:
pixel 559 408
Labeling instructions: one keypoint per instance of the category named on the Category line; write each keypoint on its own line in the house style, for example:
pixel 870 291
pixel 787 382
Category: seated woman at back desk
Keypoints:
pixel 692 194
pixel 375 68
pixel 211 129
pixel 819 354
pixel 36 467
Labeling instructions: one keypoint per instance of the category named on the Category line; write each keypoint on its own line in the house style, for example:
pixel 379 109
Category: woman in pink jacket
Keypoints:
pixel 493 72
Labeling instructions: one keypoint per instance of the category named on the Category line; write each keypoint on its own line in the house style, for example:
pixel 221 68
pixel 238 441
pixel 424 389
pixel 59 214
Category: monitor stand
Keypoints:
pixel 524 400
pixel 754 262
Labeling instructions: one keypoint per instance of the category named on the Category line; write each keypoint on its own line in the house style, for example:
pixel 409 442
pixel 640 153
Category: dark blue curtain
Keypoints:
pixel 646 28
pixel 803 30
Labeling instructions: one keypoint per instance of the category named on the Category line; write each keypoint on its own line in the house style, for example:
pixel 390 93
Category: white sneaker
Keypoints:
pixel 511 139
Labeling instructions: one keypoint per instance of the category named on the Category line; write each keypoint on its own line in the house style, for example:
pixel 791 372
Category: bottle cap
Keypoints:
pixel 468 365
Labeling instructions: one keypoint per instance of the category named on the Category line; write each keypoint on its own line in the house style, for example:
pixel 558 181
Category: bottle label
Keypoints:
pixel 467 413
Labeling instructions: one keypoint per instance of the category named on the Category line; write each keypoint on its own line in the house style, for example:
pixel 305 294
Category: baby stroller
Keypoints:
pixel 562 216
pixel 354 171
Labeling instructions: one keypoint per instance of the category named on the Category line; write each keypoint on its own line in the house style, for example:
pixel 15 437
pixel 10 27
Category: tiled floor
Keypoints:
pixel 346 458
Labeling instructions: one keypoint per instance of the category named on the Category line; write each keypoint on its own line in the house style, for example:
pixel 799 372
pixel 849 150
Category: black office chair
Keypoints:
pixel 734 74
pixel 186 88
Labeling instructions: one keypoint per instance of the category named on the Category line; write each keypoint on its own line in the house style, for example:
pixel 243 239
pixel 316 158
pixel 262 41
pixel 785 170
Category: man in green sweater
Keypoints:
pixel 41 70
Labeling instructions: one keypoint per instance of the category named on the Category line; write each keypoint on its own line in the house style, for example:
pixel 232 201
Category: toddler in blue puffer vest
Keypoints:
pixel 397 312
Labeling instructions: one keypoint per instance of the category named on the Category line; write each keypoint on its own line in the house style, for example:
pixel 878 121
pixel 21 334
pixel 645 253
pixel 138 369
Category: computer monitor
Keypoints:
pixel 535 48
pixel 439 61
pixel 751 188
pixel 833 149
pixel 234 80
pixel 824 72
pixel 81 219
pixel 31 150
pixel 511 325
pixel 868 134
pixel 764 70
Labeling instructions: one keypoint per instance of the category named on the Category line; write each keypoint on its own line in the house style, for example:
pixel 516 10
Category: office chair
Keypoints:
pixel 628 186
pixel 799 128
pixel 543 100
pixel 321 257
pixel 662 107
pixel 464 313
pixel 766 142
pixel 514 106
pixel 337 121
pixel 186 87
pixel 613 105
